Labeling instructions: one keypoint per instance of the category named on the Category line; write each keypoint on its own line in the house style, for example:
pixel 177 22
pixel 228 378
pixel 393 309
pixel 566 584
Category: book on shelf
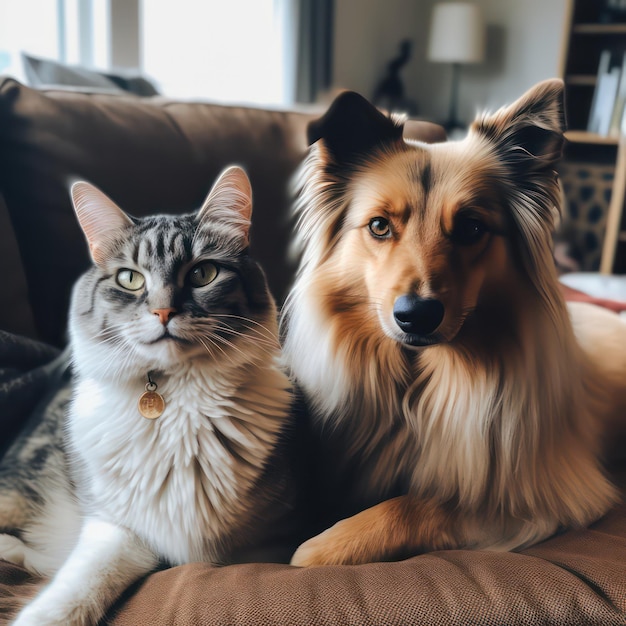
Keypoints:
pixel 605 95
pixel 615 127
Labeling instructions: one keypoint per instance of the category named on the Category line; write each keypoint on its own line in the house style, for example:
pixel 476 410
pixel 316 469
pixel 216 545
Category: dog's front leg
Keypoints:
pixel 393 529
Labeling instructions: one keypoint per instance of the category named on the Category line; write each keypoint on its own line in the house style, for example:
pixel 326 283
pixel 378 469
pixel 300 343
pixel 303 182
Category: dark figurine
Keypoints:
pixel 389 93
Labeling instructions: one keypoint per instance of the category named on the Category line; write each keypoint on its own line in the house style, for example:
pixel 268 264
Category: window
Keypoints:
pixel 21 32
pixel 229 51
pixel 70 31
pixel 235 51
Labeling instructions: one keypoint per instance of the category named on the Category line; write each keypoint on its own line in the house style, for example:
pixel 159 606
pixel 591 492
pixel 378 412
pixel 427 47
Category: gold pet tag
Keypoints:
pixel 151 404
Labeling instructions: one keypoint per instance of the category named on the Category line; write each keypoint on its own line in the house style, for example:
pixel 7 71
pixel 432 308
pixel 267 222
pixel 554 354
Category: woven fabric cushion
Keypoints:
pixel 573 579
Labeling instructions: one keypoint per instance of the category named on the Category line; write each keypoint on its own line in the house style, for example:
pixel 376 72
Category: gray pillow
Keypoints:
pixel 45 72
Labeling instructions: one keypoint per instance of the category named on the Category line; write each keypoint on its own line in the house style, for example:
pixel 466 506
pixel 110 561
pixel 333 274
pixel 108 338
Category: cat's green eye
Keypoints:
pixel 202 274
pixel 130 279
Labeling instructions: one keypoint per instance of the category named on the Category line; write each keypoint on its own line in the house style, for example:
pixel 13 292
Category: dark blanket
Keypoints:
pixel 25 378
pixel 575 578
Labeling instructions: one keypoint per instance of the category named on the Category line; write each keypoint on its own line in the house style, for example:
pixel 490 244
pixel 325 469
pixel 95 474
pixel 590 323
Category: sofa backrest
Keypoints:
pixel 149 155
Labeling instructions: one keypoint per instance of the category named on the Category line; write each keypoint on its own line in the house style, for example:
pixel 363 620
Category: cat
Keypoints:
pixel 179 416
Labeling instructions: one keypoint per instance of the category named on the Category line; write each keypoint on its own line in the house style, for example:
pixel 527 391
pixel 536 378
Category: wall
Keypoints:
pixel 367 34
pixel 524 46
pixel 125 38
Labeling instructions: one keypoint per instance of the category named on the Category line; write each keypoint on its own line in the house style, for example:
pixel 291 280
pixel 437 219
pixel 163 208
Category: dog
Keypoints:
pixel 454 404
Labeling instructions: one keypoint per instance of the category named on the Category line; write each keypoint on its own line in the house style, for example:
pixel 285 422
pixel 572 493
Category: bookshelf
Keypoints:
pixel 591 28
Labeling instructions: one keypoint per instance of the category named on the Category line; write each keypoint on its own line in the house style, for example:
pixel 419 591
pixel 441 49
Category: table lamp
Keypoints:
pixel 457 36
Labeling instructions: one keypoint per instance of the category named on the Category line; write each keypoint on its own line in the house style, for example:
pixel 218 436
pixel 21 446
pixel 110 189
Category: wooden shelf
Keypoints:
pixel 582 136
pixel 585 39
pixel 582 80
pixel 599 29
pixel 615 214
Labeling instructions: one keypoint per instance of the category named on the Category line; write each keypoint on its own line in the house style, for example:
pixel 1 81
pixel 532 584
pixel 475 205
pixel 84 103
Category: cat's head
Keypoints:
pixel 166 288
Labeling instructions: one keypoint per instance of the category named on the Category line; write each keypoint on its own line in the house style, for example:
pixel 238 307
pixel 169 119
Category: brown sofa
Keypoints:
pixel 153 154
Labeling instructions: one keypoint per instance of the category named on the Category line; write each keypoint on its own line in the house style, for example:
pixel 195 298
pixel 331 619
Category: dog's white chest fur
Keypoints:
pixel 170 480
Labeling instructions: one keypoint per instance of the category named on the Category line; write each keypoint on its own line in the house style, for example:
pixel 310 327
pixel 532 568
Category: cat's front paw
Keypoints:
pixel 36 614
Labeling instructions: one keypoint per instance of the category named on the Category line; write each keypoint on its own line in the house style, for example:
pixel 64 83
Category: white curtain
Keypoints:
pixel 314 48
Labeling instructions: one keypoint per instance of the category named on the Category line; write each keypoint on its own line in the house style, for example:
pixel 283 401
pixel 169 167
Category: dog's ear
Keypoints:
pixel 352 127
pixel 529 132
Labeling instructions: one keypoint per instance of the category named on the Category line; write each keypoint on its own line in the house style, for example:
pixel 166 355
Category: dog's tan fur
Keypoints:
pixel 491 432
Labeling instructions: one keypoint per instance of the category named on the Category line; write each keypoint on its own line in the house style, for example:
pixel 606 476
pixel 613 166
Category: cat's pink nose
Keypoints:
pixel 165 315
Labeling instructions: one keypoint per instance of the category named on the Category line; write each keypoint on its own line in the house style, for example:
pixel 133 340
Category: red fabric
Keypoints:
pixel 574 295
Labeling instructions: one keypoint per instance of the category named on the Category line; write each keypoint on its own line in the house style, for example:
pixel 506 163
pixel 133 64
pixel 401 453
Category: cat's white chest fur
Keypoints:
pixel 173 481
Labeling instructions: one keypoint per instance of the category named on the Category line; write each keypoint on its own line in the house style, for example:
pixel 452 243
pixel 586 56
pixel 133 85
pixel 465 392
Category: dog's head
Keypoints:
pixel 412 237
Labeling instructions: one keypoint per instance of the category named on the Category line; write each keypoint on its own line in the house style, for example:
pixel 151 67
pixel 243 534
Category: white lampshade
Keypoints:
pixel 457 33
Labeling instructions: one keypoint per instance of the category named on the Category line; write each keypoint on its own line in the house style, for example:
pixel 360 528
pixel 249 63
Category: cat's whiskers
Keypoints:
pixel 229 344
pixel 111 331
pixel 120 352
pixel 225 354
pixel 258 339
pixel 256 323
pixel 208 348
pixel 121 360
pixel 215 340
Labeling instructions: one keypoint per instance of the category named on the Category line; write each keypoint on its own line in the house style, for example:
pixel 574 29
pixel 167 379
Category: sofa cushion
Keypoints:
pixel 575 578
pixel 149 155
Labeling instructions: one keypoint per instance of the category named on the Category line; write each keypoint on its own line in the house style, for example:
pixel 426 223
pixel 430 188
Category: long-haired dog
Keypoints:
pixel 428 333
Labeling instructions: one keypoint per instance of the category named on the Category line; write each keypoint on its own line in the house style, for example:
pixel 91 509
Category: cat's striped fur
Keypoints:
pixel 176 299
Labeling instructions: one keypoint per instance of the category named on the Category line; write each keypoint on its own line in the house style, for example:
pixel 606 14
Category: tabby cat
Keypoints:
pixel 179 412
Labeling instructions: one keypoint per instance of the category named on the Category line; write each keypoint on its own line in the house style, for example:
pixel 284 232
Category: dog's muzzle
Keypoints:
pixel 418 318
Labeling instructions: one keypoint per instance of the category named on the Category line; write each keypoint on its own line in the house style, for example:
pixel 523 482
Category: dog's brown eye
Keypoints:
pixel 468 231
pixel 379 227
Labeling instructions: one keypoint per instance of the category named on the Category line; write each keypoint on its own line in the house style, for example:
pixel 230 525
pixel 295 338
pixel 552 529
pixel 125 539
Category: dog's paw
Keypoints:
pixel 391 530
pixel 309 553
pixel 336 546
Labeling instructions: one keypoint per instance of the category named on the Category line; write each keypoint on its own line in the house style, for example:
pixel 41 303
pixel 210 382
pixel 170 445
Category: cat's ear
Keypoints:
pixel 99 217
pixel 229 202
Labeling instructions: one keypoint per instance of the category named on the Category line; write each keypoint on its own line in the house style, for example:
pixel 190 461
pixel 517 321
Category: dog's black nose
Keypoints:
pixel 419 316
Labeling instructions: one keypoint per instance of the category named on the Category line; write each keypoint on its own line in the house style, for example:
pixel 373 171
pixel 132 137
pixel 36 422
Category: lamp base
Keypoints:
pixel 452 125
pixel 455 131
